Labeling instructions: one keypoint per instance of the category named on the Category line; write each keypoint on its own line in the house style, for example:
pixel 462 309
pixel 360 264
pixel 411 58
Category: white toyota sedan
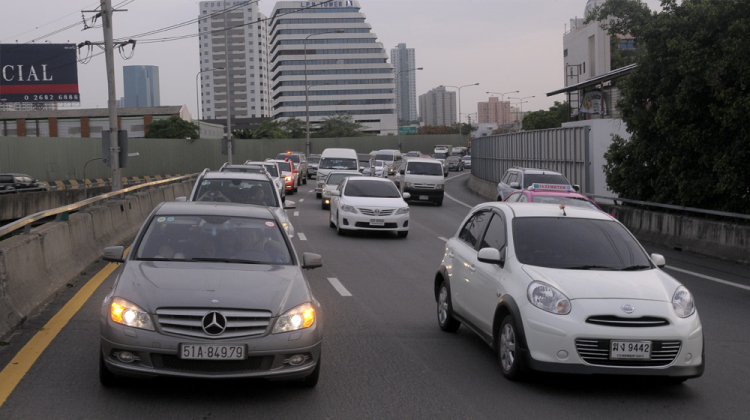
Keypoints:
pixel 566 290
pixel 366 203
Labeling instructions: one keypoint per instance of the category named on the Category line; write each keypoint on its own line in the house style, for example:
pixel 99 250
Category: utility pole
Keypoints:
pixel 109 54
pixel 226 58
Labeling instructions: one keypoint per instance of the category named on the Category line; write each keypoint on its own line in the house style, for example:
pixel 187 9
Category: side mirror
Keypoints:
pixel 577 188
pixel 659 260
pixel 310 260
pixel 515 185
pixel 401 171
pixel 491 256
pixel 183 198
pixel 289 205
pixel 336 193
pixel 406 195
pixel 114 254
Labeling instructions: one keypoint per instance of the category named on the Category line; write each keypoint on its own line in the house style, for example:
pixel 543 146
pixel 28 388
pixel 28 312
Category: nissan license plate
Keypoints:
pixel 424 197
pixel 377 222
pixel 212 351
pixel 633 350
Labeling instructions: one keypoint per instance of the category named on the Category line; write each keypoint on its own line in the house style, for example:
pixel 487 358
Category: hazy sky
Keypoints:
pixel 505 45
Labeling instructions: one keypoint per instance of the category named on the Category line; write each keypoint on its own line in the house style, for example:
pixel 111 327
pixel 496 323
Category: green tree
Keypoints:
pixel 685 105
pixel 269 130
pixel 172 128
pixel 294 128
pixel 341 125
pixel 552 118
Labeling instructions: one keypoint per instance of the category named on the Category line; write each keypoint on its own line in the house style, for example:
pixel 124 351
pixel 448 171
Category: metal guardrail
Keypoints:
pixel 61 213
pixel 673 207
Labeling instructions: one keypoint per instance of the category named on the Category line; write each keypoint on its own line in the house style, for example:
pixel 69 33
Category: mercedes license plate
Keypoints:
pixel 424 197
pixel 633 350
pixel 377 222
pixel 212 351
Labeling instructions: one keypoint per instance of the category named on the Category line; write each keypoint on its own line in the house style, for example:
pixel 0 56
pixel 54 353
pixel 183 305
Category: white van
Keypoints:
pixel 333 159
pixel 423 179
pixel 392 157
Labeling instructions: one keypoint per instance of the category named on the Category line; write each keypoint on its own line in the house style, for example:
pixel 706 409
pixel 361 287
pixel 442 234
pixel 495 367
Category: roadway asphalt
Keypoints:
pixel 384 355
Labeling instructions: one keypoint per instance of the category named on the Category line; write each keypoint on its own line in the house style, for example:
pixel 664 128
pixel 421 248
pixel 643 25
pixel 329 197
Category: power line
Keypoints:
pixel 48 23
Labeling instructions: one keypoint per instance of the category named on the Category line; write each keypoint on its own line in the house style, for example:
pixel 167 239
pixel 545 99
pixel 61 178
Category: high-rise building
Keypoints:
pixel 347 72
pixel 405 68
pixel 494 111
pixel 438 107
pixel 247 38
pixel 141 86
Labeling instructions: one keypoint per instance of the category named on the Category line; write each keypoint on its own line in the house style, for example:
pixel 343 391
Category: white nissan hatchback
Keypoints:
pixel 566 290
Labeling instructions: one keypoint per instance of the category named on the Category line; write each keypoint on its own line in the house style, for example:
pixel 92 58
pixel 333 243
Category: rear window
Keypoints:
pixel 424 168
pixel 336 178
pixel 384 156
pixel 338 163
pixel 273 170
pixel 530 179
pixel 359 188
pixel 313 159
pixel 259 192
pixel 284 156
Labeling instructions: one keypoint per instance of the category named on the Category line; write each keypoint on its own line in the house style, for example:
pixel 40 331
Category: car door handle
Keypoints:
pixel 450 254
pixel 472 268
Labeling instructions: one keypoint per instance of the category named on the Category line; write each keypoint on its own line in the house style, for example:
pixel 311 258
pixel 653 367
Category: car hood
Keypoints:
pixel 374 202
pixel 651 284
pixel 174 284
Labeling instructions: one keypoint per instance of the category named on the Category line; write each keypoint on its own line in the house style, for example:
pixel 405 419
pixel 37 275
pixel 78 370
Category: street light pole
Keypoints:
pixel 502 99
pixel 459 101
pixel 521 101
pixel 397 84
pixel 198 92
pixel 307 96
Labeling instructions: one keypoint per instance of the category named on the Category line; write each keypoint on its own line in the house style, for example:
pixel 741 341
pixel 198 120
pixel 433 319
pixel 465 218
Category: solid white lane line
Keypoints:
pixel 301 200
pixel 302 236
pixel 458 201
pixel 338 286
pixel 703 276
pixel 442 239
pixel 296 213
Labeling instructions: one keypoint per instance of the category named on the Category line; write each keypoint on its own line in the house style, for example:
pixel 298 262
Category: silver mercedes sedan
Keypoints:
pixel 211 290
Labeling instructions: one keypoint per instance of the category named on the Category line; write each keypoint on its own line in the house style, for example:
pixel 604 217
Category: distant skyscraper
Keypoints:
pixel 247 37
pixel 141 86
pixel 494 111
pixel 353 63
pixel 404 66
pixel 438 107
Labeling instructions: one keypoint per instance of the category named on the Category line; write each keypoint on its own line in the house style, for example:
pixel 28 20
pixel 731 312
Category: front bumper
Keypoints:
pixel 570 344
pixel 359 221
pixel 425 194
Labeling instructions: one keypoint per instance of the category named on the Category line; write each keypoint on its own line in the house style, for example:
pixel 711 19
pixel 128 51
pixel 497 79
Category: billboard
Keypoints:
pixel 38 73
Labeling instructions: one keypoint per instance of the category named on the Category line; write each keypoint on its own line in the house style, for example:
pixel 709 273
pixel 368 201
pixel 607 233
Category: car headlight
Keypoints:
pixel 320 185
pixel 682 302
pixel 287 178
pixel 408 185
pixel 439 186
pixel 349 209
pixel 126 313
pixel 303 316
pixel 403 210
pixel 547 298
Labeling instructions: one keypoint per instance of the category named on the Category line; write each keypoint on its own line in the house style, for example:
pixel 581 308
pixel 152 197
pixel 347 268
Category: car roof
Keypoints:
pixel 372 179
pixel 235 175
pixel 546 193
pixel 347 171
pixel 547 210
pixel 214 209
pixel 534 170
pixel 421 159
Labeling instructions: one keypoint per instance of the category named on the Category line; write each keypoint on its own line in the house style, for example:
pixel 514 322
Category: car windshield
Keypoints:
pixel 452 159
pixel 285 166
pixel 572 243
pixel 242 191
pixel 273 170
pixel 312 159
pixel 440 155
pixel 530 179
pixel 385 157
pixel 338 163
pixel 293 158
pixel 213 238
pixel 570 201
pixel 412 154
pixel 336 178
pixel 364 163
pixel 371 189
pixel 379 163
pixel 465 158
pixel 424 168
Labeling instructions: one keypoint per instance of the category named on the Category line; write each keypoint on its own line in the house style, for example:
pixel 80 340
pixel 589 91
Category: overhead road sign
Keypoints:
pixel 38 73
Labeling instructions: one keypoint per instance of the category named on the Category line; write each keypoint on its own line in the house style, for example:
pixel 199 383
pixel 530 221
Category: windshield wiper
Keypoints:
pixel 227 260
pixel 156 259
pixel 589 267
pixel 636 267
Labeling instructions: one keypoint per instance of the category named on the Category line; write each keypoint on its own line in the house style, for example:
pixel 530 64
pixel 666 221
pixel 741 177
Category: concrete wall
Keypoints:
pixel 52 158
pixel 16 206
pixel 34 267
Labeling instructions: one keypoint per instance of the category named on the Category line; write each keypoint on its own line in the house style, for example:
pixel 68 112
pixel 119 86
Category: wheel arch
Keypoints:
pixel 508 306
pixel 440 277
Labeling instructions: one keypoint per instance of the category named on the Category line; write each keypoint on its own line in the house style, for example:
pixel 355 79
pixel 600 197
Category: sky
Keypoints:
pixel 504 45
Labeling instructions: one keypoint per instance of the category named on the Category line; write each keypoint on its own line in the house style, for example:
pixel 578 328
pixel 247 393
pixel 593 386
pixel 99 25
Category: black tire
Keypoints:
pixel 106 377
pixel 507 349
pixel 499 198
pixel 295 186
pixel 304 180
pixel 339 231
pixel 324 206
pixel 312 379
pixel 403 233
pixel 330 224
pixel 445 310
pixel 318 195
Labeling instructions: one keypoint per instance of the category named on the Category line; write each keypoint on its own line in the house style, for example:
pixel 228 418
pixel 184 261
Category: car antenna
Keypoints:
pixel 562 207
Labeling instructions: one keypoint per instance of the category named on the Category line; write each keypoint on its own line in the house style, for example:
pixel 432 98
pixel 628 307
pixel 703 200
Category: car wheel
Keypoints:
pixel 499 198
pixel 106 377
pixel 445 310
pixel 304 180
pixel 324 206
pixel 339 231
pixel 295 187
pixel 403 233
pixel 507 348
pixel 312 379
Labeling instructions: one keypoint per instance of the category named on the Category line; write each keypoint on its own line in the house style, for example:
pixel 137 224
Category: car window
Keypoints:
pixel 247 170
pixel 513 177
pixel 424 168
pixel 572 243
pixel 213 238
pixel 472 230
pixel 338 163
pixel 506 178
pixel 523 198
pixel 495 235
pixel 313 160
pixel 259 192
pixel 355 188
pixel 384 156
pixel 272 170
pixel 530 179
pixel 570 201
pixel 513 197
pixel 6 178
pixel 284 156
pixel 336 178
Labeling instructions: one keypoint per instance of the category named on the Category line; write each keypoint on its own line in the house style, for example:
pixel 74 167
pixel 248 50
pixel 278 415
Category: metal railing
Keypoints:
pixel 61 213
pixel 673 207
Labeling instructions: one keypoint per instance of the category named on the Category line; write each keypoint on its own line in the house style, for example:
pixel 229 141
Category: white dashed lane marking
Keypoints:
pixel 296 213
pixel 302 236
pixel 338 286
pixel 301 200
pixel 442 239
pixel 703 276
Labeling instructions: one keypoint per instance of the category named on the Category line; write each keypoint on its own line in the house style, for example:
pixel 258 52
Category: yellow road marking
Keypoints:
pixel 24 360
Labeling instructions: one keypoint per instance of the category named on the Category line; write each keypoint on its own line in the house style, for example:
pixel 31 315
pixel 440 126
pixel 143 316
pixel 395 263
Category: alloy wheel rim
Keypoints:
pixel 507 347
pixel 443 306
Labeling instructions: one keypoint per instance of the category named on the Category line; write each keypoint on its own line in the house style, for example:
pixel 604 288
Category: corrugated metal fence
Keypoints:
pixel 565 150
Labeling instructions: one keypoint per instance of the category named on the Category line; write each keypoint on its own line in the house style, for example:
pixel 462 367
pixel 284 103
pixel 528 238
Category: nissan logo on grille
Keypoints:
pixel 214 323
pixel 627 309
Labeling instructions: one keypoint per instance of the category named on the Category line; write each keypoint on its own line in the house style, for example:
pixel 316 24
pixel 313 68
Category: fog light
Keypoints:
pixel 562 354
pixel 126 357
pixel 296 360
pixel 688 357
